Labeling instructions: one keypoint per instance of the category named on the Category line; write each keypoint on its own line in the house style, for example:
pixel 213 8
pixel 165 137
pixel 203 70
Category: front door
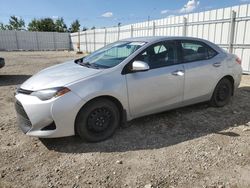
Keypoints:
pixel 160 87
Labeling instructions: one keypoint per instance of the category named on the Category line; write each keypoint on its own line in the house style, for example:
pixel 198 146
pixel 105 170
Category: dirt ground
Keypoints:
pixel 196 146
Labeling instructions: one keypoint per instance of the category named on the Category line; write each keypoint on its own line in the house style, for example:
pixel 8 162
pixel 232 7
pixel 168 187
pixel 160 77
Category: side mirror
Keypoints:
pixel 138 66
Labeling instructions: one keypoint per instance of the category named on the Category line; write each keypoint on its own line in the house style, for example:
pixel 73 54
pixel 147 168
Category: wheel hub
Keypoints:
pixel 223 93
pixel 99 119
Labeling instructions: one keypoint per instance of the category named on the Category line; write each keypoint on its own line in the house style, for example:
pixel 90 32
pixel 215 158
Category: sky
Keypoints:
pixel 106 13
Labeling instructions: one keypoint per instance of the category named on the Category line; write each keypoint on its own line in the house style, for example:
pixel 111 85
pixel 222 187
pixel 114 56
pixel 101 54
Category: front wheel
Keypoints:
pixel 98 120
pixel 222 93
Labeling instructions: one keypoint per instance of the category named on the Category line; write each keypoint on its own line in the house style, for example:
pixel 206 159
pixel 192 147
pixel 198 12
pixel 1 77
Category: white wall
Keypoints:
pixel 24 40
pixel 213 25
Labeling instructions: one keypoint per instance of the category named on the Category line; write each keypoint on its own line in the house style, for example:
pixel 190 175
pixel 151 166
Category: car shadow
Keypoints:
pixel 166 129
pixel 7 80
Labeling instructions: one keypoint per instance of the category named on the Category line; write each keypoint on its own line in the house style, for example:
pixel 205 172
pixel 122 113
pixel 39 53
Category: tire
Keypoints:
pixel 222 93
pixel 98 120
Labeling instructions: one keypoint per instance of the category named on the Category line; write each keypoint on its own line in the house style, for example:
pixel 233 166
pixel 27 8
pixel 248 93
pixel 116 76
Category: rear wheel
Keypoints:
pixel 222 93
pixel 98 120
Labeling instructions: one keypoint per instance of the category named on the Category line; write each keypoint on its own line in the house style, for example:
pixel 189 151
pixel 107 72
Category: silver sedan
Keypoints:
pixel 92 96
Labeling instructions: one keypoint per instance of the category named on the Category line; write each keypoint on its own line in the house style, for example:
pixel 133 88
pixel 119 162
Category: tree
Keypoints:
pixel 84 29
pixel 45 24
pixel 34 25
pixel 15 23
pixel 2 27
pixel 60 26
pixel 75 26
pixel 92 28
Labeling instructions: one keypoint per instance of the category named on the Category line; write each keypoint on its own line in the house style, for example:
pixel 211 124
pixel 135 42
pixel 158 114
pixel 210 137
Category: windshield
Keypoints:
pixel 112 54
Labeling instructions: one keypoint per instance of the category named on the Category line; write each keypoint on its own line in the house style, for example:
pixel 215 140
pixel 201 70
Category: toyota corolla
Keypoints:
pixel 92 96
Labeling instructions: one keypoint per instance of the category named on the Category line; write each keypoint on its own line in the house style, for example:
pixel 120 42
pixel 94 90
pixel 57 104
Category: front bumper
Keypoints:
pixel 22 118
pixel 48 119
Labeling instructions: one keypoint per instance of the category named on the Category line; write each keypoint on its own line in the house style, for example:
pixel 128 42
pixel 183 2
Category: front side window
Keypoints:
pixel 112 54
pixel 159 55
pixel 196 51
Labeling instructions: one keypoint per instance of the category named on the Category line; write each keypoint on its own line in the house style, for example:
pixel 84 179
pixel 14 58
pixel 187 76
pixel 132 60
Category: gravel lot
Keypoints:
pixel 196 146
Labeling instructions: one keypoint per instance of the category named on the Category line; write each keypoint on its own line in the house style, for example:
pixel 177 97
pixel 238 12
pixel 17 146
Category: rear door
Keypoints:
pixel 203 68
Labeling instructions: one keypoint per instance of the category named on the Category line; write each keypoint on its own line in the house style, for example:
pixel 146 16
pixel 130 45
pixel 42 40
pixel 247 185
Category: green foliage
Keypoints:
pixel 44 24
pixel 84 29
pixel 60 26
pixel 15 23
pixel 48 24
pixel 2 27
pixel 34 25
pixel 75 26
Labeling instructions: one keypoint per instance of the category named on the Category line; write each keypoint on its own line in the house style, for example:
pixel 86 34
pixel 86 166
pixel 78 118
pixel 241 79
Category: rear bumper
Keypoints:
pixel 237 83
pixel 237 78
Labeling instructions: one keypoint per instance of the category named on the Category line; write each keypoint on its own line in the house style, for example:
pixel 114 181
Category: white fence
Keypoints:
pixel 24 40
pixel 227 27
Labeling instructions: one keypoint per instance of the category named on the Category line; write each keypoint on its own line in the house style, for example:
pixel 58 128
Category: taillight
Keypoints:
pixel 238 60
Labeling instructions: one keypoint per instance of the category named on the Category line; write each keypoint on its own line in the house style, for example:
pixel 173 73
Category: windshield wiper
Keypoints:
pixel 87 64
pixel 98 66
pixel 92 65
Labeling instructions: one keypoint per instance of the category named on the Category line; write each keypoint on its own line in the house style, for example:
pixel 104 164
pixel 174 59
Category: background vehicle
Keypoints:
pixel 92 96
pixel 2 62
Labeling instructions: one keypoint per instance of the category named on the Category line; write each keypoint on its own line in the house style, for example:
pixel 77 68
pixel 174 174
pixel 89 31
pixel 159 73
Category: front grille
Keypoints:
pixel 23 119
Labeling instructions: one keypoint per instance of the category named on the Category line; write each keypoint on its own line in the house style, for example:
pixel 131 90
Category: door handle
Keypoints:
pixel 218 64
pixel 178 73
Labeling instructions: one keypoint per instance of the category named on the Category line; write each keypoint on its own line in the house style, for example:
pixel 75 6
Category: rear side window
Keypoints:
pixel 196 51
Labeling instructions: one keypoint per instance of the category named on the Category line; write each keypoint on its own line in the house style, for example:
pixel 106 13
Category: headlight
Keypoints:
pixel 47 94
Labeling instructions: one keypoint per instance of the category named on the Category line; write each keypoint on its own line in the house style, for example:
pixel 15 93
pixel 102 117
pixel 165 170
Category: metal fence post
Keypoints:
pixel 70 42
pixel 54 41
pixel 148 26
pixel 232 32
pixel 37 42
pixel 17 44
pixel 184 31
pixel 105 36
pixel 79 41
pixel 118 32
pixel 131 31
pixel 94 40
pixel 86 41
pixel 153 28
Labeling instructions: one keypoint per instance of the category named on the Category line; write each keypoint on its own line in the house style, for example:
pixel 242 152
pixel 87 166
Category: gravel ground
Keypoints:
pixel 196 146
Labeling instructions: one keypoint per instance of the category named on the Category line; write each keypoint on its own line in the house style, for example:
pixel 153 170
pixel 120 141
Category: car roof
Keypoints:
pixel 160 38
pixel 153 39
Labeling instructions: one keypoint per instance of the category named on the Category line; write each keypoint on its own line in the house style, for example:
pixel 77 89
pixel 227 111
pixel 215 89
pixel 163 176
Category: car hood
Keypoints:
pixel 58 76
